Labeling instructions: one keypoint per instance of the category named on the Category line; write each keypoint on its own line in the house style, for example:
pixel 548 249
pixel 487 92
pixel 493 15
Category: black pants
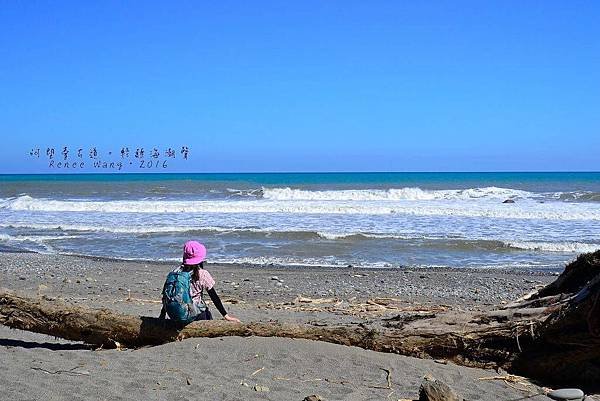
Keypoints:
pixel 205 315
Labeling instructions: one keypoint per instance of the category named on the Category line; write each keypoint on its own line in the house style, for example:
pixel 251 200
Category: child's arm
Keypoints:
pixel 219 305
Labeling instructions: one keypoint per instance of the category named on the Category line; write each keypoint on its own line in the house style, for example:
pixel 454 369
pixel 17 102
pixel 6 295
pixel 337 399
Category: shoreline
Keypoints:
pixel 306 267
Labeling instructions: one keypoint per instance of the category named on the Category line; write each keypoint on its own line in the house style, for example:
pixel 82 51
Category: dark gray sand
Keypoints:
pixel 36 366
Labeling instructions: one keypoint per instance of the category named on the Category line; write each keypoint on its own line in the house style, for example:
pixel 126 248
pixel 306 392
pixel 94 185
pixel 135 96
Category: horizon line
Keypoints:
pixel 310 172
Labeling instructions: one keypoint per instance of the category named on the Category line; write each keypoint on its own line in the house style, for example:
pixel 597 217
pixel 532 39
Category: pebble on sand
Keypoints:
pixel 436 390
pixel 566 394
pixel 313 397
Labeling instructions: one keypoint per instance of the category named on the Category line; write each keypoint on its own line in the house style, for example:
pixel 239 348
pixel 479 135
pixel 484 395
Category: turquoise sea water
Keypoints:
pixel 367 219
pixel 552 180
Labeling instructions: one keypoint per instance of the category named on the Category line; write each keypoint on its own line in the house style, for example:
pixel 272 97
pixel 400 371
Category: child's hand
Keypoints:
pixel 230 318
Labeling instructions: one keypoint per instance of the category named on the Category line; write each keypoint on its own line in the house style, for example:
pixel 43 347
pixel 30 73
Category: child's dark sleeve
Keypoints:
pixel 217 301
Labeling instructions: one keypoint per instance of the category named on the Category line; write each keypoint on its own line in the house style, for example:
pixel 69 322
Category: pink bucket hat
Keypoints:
pixel 193 253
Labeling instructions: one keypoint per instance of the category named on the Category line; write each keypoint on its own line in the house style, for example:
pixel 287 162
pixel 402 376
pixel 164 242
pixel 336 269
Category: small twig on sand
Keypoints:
pixel 301 299
pixel 70 372
pixel 300 380
pixel 257 371
pixel 508 379
pixel 251 358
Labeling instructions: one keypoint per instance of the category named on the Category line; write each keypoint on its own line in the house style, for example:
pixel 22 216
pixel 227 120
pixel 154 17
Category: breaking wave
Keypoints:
pixel 518 210
pixel 289 194
pixel 565 247
pixel 77 231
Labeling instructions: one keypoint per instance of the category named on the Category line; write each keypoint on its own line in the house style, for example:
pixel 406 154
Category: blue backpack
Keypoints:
pixel 176 297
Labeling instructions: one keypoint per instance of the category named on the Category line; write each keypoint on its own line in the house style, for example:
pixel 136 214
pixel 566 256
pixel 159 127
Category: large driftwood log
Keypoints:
pixel 567 344
pixel 552 335
pixel 439 338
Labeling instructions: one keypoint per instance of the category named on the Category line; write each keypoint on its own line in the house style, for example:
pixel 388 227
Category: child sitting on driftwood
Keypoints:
pixel 184 289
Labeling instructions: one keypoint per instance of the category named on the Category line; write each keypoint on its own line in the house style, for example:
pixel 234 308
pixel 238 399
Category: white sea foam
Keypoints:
pixel 279 261
pixel 342 235
pixel 125 229
pixel 558 246
pixel 35 238
pixel 40 242
pixel 183 229
pixel 332 236
pixel 582 196
pixel 526 209
pixel 264 261
pixel 313 262
pixel 288 194
pixel 565 247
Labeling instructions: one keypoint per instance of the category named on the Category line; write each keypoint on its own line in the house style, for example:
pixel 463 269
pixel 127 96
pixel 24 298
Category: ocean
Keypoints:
pixel 390 220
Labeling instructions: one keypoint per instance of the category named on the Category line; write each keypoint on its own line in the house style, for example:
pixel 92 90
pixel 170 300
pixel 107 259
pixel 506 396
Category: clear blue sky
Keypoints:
pixel 306 85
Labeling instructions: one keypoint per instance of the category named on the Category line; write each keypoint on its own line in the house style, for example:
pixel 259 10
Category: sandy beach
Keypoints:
pixel 396 201
pixel 39 366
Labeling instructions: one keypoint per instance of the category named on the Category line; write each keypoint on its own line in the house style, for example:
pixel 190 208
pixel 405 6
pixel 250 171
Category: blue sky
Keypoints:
pixel 307 85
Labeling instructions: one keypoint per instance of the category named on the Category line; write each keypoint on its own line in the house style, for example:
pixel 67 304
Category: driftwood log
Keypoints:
pixel 552 335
